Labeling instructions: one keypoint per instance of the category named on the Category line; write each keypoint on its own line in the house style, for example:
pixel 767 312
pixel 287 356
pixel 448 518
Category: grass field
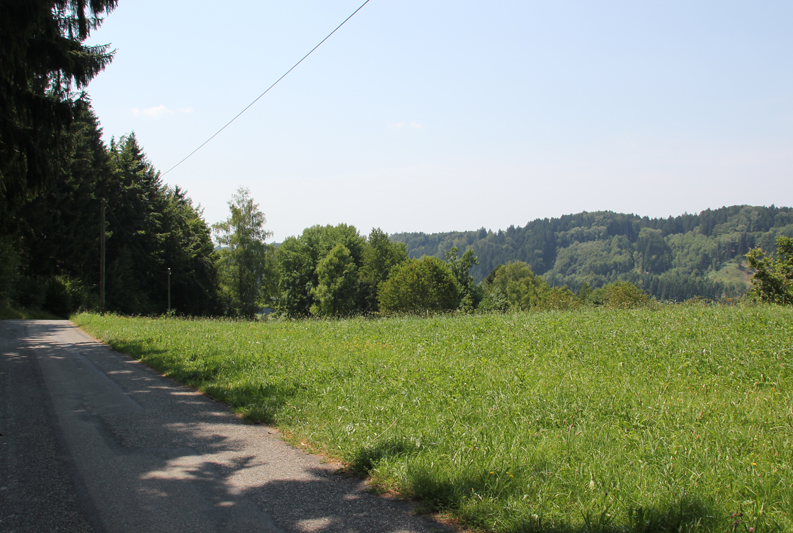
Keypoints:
pixel 678 418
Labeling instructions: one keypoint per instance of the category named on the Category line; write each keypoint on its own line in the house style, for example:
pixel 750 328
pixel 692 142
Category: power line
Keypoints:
pixel 266 91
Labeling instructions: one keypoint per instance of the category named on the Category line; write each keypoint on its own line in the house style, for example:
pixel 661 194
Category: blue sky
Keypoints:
pixel 439 115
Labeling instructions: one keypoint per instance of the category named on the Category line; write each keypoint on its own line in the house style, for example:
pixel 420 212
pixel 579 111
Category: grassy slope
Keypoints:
pixel 735 271
pixel 648 420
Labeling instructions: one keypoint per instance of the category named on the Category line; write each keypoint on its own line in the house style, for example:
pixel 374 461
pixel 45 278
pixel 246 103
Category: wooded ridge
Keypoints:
pixel 673 258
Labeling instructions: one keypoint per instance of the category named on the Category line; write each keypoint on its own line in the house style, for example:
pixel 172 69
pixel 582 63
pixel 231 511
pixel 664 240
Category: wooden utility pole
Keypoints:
pixel 169 290
pixel 102 259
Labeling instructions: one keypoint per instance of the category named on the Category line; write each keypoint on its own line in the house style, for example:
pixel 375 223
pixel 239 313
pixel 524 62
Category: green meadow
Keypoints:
pixel 672 418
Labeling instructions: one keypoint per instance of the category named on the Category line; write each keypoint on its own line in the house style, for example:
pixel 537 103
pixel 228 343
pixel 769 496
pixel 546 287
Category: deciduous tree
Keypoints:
pixel 516 285
pixel 653 254
pixel 419 285
pixel 467 296
pixel 379 256
pixel 298 261
pixel 243 259
pixel 337 286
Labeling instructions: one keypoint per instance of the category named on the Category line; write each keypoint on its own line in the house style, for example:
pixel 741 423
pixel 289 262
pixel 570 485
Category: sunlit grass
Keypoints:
pixel 678 418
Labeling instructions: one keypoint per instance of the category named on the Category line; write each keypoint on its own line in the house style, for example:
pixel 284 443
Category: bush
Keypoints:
pixel 494 300
pixel 337 289
pixel 56 297
pixel 561 299
pixel 64 296
pixel 624 295
pixel 416 285
pixel 29 292
pixel 9 260
pixel 773 280
pixel 516 284
pixel 80 297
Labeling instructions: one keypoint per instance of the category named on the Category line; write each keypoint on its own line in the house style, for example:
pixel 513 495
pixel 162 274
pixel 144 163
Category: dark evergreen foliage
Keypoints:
pixel 53 237
pixel 42 59
pixel 150 228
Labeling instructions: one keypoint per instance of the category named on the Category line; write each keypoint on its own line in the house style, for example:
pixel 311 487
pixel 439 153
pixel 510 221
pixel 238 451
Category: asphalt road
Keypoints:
pixel 91 440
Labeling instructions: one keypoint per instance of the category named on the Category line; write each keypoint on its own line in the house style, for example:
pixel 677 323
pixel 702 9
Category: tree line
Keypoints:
pixel 55 172
pixel 50 238
pixel 334 271
pixel 55 169
pixel 675 259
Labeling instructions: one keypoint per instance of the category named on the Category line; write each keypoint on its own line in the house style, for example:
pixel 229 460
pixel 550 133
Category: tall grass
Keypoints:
pixel 671 419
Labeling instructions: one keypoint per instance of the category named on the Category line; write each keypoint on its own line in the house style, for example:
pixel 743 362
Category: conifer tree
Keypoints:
pixel 42 61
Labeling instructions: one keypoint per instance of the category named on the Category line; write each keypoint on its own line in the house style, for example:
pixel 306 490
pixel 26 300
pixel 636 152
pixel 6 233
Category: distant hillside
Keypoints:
pixel 673 259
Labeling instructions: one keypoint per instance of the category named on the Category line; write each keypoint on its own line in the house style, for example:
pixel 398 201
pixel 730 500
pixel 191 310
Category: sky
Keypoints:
pixel 440 115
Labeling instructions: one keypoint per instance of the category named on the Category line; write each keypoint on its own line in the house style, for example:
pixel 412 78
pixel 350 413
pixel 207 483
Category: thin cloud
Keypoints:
pixel 159 111
pixel 152 112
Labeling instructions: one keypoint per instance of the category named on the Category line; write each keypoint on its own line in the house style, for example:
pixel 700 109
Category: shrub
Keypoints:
pixel 424 284
pixel 516 283
pixel 624 295
pixel 29 292
pixel 494 300
pixel 9 260
pixel 80 297
pixel 63 296
pixel 56 297
pixel 337 289
pixel 561 299
pixel 773 279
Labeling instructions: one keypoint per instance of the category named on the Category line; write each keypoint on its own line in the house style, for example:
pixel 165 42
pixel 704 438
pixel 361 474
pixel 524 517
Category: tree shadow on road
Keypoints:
pixel 148 454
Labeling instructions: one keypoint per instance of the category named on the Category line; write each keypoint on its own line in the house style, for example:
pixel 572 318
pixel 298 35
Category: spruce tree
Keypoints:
pixel 42 62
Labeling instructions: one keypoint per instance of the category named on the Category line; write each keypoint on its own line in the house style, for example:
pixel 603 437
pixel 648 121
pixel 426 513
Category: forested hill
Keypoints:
pixel 673 258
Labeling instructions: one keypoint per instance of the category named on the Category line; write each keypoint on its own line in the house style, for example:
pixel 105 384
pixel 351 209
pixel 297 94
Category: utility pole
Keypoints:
pixel 169 290
pixel 102 259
